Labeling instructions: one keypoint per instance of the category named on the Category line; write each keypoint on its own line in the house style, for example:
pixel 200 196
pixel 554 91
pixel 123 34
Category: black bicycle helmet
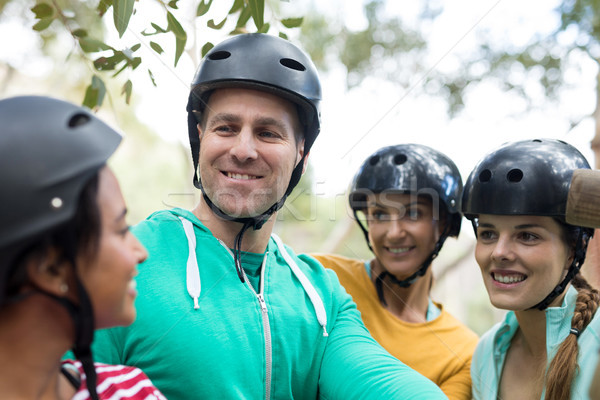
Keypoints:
pixel 49 149
pixel 529 177
pixel 261 62
pixel 410 168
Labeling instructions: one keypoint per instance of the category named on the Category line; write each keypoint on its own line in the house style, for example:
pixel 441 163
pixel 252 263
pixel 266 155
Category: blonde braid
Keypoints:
pixel 563 367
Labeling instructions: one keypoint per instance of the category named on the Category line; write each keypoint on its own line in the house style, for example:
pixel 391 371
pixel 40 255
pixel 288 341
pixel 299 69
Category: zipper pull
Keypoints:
pixel 263 304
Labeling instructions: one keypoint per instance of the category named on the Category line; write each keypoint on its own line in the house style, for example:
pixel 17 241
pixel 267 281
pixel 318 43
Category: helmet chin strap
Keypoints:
pixel 411 279
pixel 247 222
pixel 255 222
pixel 404 283
pixel 82 315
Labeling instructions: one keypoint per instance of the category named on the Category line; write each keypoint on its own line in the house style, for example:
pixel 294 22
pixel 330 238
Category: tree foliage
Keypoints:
pixel 109 58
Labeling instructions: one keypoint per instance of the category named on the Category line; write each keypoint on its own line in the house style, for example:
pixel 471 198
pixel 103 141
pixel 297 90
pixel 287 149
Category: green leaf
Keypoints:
pixel 156 47
pixel 89 45
pixel 180 36
pixel 292 22
pixel 265 28
pixel 122 10
pixel 152 78
pixel 42 24
pixel 136 47
pixel 103 7
pixel 257 7
pixel 179 47
pixel 211 24
pixel 283 35
pixel 175 27
pixel 203 8
pixel 94 93
pixel 237 5
pixel 80 33
pixel 206 48
pixel 43 10
pixel 136 62
pixel 173 4
pixel 157 30
pixel 244 17
pixel 127 89
pixel 105 64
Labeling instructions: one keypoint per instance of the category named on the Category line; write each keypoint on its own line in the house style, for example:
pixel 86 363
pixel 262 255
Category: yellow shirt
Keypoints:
pixel 440 349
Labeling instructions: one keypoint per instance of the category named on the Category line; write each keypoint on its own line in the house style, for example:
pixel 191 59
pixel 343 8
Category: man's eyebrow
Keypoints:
pixel 266 121
pixel 223 117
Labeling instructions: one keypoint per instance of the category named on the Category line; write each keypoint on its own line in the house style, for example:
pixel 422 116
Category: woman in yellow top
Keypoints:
pixel 409 196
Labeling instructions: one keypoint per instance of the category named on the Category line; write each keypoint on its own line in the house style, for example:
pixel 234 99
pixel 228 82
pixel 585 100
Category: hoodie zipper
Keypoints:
pixel 265 319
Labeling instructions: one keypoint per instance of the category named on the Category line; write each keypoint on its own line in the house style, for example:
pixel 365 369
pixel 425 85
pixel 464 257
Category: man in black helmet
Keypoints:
pixel 228 311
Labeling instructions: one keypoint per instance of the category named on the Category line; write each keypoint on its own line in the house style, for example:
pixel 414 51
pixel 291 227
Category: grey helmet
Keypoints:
pixel 416 169
pixel 49 150
pixel 528 177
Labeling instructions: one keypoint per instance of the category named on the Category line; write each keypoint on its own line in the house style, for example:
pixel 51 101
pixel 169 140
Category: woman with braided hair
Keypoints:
pixel 547 345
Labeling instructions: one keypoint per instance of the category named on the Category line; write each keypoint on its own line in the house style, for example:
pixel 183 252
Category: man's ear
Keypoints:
pixel 49 273
pixel 305 162
pixel 199 131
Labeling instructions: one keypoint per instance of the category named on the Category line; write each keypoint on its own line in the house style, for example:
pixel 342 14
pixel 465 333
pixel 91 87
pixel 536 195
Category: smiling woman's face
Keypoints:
pixel 402 231
pixel 522 259
pixel 108 274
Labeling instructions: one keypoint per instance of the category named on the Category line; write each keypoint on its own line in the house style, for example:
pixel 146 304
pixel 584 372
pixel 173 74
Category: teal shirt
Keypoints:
pixel 488 360
pixel 220 350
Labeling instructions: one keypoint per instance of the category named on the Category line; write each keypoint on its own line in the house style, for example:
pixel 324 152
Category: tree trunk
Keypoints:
pixel 591 267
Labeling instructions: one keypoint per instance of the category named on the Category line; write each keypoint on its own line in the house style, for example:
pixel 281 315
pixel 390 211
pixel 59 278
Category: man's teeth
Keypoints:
pixel 240 176
pixel 397 250
pixel 508 278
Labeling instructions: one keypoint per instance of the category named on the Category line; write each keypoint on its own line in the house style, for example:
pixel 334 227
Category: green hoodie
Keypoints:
pixel 290 334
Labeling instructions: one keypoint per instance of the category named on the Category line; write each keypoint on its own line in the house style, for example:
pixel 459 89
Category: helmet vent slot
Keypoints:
pixel 514 175
pixel 374 160
pixel 219 55
pixel 485 176
pixel 78 120
pixel 400 159
pixel 293 64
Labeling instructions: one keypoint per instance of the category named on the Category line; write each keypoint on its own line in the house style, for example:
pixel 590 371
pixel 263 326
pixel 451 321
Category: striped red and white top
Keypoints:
pixel 116 382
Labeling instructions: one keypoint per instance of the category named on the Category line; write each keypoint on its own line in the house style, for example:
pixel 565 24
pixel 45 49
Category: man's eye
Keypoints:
pixel 223 128
pixel 269 135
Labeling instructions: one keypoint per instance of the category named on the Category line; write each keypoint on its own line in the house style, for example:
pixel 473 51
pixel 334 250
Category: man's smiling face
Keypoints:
pixel 248 150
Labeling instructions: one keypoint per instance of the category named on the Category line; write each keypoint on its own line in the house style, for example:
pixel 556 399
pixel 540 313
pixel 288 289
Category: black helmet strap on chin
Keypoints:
pixel 255 222
pixel 411 279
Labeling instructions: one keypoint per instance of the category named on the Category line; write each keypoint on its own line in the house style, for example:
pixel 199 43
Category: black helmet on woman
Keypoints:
pixel 414 169
pixel 529 177
pixel 49 150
